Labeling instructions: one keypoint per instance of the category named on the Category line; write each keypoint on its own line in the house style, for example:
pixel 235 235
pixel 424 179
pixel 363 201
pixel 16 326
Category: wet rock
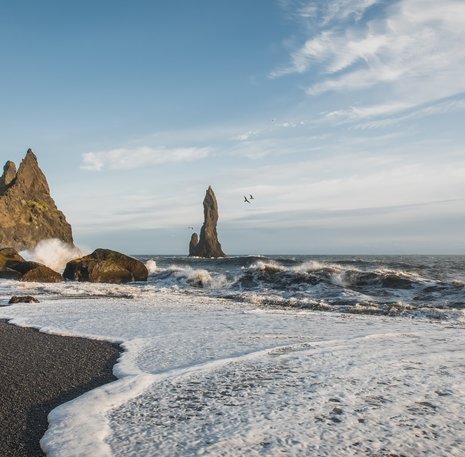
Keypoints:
pixel 105 265
pixel 22 299
pixel 42 274
pixel 208 244
pixel 24 266
pixel 30 272
pixel 28 213
pixel 9 256
pixel 193 243
pixel 9 273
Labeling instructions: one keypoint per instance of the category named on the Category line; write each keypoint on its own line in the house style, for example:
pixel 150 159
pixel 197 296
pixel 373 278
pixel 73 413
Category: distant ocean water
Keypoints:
pixel 411 286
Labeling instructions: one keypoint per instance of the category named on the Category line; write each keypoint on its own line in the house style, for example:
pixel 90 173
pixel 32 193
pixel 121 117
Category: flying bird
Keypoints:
pixel 245 199
pixel 251 197
pixel 191 228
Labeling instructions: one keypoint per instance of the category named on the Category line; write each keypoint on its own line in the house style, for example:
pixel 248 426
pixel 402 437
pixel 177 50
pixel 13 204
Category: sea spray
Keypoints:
pixel 54 253
pixel 151 266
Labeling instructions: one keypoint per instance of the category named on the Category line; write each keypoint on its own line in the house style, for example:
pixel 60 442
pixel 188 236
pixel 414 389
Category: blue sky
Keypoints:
pixel 344 118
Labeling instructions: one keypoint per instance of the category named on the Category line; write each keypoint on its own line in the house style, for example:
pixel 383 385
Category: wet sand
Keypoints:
pixel 38 372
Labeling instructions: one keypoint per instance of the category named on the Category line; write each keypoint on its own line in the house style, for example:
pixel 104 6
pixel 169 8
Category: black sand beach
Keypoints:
pixel 38 372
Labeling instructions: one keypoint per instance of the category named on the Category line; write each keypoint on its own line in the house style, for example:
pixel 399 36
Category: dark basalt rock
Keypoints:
pixel 24 266
pixel 42 274
pixel 9 256
pixel 32 272
pixel 105 265
pixel 13 266
pixel 9 174
pixel 28 213
pixel 194 242
pixel 8 273
pixel 208 244
pixel 22 299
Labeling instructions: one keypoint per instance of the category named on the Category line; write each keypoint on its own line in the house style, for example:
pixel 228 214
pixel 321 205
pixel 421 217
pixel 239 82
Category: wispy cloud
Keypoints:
pixel 442 107
pixel 272 128
pixel 342 9
pixel 413 49
pixel 125 159
pixel 328 11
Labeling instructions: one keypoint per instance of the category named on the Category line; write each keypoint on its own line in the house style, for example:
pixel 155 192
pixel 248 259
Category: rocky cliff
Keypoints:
pixel 208 244
pixel 28 213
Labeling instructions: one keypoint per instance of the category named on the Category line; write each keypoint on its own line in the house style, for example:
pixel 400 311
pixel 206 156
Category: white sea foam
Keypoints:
pixel 215 377
pixel 54 253
pixel 151 266
pixel 187 276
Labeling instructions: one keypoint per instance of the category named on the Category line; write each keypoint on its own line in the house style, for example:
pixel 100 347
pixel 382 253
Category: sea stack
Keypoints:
pixel 207 245
pixel 28 213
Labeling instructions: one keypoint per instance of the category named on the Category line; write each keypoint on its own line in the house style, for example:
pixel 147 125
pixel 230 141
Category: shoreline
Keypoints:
pixel 40 371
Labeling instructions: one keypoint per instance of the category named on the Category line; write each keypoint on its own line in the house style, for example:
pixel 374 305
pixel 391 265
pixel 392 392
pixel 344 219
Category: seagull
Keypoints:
pixel 245 199
pixel 191 228
pixel 251 197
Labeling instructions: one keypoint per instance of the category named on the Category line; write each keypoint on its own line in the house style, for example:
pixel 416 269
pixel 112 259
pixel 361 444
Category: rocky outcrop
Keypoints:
pixel 8 256
pixel 41 273
pixel 22 299
pixel 208 244
pixel 28 213
pixel 13 266
pixel 104 265
pixel 193 243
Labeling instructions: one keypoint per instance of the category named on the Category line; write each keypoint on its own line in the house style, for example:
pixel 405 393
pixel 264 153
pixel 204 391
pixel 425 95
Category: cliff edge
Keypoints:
pixel 28 213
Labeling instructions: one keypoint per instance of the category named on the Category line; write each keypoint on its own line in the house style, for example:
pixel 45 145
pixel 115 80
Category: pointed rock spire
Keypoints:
pixel 208 244
pixel 28 213
pixel 193 243
pixel 9 174
pixel 30 176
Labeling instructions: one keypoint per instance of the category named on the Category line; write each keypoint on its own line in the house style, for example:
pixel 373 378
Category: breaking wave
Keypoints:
pixel 313 273
pixel 176 276
pixel 54 253
pixel 389 286
pixel 413 287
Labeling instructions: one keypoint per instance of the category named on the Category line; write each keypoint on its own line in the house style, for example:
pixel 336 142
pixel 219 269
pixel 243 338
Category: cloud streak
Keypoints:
pixel 414 50
pixel 127 159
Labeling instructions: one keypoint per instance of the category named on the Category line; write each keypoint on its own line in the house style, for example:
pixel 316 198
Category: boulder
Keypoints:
pixel 22 299
pixel 42 274
pixel 27 271
pixel 24 266
pixel 28 213
pixel 208 244
pixel 9 256
pixel 8 273
pixel 105 265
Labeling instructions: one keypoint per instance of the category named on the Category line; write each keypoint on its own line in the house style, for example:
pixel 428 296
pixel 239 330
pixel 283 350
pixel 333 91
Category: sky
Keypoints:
pixel 343 118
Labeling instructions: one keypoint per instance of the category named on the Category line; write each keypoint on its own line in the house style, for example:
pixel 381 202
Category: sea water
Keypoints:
pixel 288 355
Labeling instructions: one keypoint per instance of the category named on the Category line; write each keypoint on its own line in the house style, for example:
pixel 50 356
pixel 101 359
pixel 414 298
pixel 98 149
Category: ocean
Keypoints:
pixel 266 355
pixel 420 286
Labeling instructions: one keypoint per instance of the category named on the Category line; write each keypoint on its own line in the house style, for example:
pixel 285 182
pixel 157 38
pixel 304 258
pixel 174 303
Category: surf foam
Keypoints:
pixel 54 253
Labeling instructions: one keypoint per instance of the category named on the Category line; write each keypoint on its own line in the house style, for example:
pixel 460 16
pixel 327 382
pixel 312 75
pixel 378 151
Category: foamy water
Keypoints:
pixel 209 375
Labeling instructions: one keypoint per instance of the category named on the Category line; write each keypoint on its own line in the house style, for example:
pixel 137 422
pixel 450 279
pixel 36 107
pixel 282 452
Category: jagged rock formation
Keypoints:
pixel 28 213
pixel 193 243
pixel 207 245
pixel 105 265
